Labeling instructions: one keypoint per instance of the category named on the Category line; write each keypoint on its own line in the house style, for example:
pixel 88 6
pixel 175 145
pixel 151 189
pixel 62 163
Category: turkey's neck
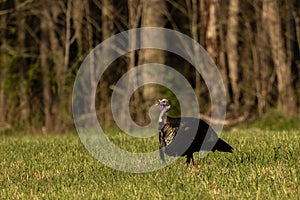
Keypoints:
pixel 162 119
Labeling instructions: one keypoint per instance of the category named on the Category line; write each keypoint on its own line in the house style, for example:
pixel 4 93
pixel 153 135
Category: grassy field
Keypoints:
pixel 264 165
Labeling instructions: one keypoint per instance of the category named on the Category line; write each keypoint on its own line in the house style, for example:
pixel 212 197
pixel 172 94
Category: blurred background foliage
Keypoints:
pixel 254 43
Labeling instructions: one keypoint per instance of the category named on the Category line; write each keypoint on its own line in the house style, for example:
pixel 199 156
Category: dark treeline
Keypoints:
pixel 254 43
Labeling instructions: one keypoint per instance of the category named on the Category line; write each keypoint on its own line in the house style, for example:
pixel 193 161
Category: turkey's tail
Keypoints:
pixel 223 146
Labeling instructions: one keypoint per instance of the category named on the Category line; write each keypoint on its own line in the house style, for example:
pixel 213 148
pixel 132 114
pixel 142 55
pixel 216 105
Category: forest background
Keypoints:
pixel 254 43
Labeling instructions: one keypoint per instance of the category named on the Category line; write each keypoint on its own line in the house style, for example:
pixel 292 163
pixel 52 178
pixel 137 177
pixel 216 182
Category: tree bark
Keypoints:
pixel 3 73
pixel 77 16
pixel 232 50
pixel 296 15
pixel 261 59
pixel 221 56
pixel 286 98
pixel 211 33
pixel 59 53
pixel 135 13
pixel 153 15
pixel 23 65
pixel 107 19
pixel 194 18
pixel 108 30
pixel 45 69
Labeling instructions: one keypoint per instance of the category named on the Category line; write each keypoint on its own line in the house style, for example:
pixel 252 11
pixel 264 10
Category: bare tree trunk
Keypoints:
pixel 69 39
pixel 78 15
pixel 135 10
pixel 3 73
pixel 221 56
pixel 204 29
pixel 2 70
pixel 108 30
pixel 134 18
pixel 135 13
pixel 7 104
pixel 153 15
pixel 286 99
pixel 216 42
pixel 194 18
pixel 261 60
pixel 90 45
pixel 296 15
pixel 23 94
pixel 196 14
pixel 232 51
pixel 107 19
pixel 60 52
pixel 59 60
pixel 295 7
pixel 211 33
pixel 47 96
pixel 203 25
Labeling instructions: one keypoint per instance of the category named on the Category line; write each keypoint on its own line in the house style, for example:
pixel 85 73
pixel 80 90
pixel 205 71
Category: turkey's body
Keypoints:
pixel 184 136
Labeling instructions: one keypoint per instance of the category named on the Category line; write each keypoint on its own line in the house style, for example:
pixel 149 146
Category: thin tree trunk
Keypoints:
pixel 221 57
pixel 261 59
pixel 77 16
pixel 135 10
pixel 68 41
pixel 47 96
pixel 192 6
pixel 23 94
pixel 211 33
pixel 134 18
pixel 107 19
pixel 2 70
pixel 296 15
pixel 108 30
pixel 90 46
pixel 135 13
pixel 7 105
pixel 216 43
pixel 3 73
pixel 232 51
pixel 261 72
pixel 59 59
pixel 286 98
pixel 152 16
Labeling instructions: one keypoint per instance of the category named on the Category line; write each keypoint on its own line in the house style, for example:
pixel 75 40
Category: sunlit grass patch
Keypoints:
pixel 265 164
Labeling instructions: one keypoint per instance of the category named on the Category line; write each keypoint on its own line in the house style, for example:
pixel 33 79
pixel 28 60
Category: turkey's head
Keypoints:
pixel 164 104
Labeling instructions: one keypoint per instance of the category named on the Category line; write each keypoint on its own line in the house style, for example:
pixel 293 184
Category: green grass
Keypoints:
pixel 264 165
pixel 273 121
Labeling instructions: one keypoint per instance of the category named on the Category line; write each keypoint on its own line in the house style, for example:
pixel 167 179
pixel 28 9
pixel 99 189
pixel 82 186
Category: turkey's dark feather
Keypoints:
pixel 184 136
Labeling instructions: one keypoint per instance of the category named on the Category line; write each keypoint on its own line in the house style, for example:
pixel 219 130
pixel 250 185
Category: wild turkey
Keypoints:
pixel 186 135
